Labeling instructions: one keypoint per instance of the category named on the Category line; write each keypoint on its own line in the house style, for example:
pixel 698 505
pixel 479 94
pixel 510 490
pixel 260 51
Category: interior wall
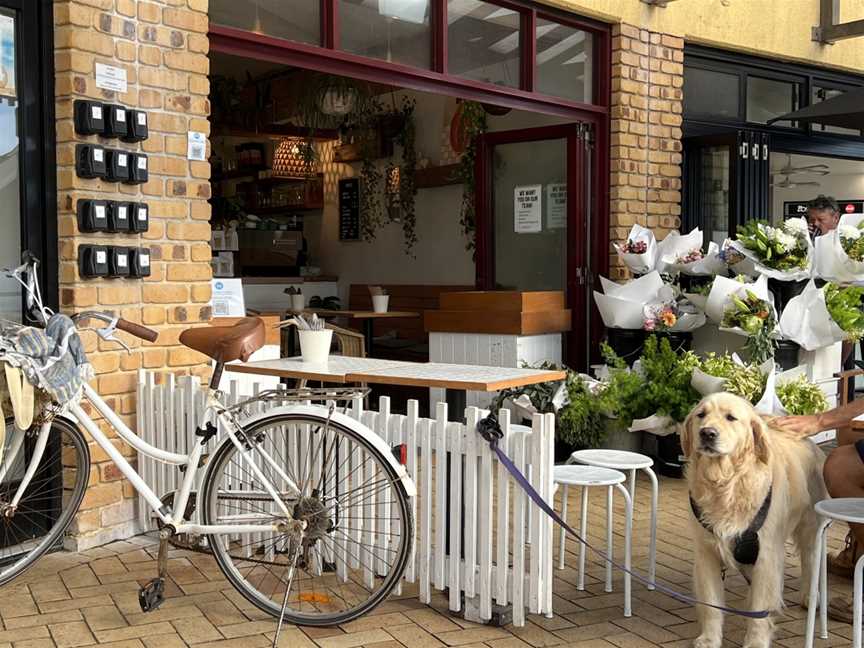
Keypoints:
pixel 440 256
pixel 842 186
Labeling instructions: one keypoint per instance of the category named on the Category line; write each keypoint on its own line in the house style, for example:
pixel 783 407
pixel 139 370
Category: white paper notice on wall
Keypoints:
pixel 109 77
pixel 527 209
pixel 228 298
pixel 556 205
pixel 197 146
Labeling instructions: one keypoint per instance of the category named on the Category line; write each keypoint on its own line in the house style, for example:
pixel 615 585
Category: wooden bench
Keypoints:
pixel 410 341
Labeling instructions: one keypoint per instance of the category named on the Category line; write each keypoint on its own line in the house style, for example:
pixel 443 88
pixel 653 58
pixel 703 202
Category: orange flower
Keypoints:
pixel 669 318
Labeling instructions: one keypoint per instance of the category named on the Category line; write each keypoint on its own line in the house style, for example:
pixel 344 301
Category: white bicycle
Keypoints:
pixel 307 511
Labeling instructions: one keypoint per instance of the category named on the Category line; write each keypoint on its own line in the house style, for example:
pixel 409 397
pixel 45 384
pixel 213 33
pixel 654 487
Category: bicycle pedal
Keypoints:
pixel 152 595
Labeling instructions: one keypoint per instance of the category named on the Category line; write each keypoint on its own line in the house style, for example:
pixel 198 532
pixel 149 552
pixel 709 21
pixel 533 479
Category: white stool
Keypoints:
pixel 845 509
pixel 586 477
pixel 630 462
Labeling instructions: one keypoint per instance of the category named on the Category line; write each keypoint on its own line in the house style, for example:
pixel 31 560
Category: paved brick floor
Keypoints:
pixel 91 598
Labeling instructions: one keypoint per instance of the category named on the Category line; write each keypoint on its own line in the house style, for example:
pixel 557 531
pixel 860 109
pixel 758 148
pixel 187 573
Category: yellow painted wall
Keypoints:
pixel 773 28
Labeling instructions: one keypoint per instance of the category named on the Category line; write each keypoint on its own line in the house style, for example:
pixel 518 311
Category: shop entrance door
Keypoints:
pixel 28 213
pixel 726 181
pixel 533 219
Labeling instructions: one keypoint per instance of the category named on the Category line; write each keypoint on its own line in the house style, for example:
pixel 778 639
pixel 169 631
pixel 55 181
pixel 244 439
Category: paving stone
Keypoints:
pixel 73 633
pixel 355 639
pixel 196 630
pixel 104 617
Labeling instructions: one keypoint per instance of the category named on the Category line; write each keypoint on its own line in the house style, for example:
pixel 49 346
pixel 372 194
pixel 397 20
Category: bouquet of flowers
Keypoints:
pixel 753 316
pixel 623 305
pixel 807 320
pixel 840 254
pixel 753 382
pixel 732 259
pixel 782 253
pixel 682 253
pixel 639 252
pixel 671 316
pixel 845 307
pixel 800 397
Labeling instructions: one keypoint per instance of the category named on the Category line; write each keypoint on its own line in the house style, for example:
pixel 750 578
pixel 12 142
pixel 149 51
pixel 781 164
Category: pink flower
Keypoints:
pixel 649 325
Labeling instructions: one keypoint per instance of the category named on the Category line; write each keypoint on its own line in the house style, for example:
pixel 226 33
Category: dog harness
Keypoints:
pixel 745 547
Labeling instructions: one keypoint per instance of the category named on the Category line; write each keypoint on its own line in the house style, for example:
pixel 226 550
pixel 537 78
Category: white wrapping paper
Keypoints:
pixel 656 424
pixel 623 305
pixel 676 245
pixel 830 260
pixel 806 320
pixel 722 291
pixel 640 263
pixel 780 275
pixel 782 378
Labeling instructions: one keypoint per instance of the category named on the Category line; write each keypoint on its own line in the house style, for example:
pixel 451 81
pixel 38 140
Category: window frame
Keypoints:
pixel 244 43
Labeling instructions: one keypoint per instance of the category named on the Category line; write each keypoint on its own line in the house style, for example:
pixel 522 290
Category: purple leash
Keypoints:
pixel 491 431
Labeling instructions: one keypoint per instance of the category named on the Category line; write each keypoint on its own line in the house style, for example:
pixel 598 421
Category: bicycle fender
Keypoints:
pixel 353 424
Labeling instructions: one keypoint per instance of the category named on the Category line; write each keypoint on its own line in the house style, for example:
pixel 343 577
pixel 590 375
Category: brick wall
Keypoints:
pixel 647 91
pixel 163 46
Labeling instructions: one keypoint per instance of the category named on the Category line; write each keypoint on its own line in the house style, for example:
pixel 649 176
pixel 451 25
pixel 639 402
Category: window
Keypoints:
pixel 709 92
pixel 396 31
pixel 769 98
pixel 564 61
pixel 298 20
pixel 484 42
pixel 823 93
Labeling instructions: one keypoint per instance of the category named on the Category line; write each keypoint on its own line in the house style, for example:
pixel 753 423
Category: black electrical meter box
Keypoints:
pixel 92 215
pixel 89 117
pixel 119 215
pixel 136 126
pixel 139 219
pixel 139 262
pixel 115 121
pixel 89 161
pixel 138 168
pixel 118 261
pixel 93 261
pixel 117 165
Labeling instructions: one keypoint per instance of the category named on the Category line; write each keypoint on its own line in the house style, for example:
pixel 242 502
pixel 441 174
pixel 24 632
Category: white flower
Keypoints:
pixel 850 232
pixel 788 241
pixel 797 227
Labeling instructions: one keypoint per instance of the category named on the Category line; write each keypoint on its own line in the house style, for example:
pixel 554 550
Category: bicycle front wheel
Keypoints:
pixel 358 519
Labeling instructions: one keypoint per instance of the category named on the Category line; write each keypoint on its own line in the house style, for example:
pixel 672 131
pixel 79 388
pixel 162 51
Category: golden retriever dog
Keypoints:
pixel 752 487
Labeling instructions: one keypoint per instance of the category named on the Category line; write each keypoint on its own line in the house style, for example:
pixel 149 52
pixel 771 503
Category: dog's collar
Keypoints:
pixel 745 548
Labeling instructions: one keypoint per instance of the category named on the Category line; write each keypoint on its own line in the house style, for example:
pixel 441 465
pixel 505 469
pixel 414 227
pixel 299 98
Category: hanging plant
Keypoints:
pixel 407 175
pixel 471 119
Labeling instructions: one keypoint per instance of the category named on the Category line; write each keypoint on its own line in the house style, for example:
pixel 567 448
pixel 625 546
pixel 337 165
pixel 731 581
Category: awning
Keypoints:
pixel 846 110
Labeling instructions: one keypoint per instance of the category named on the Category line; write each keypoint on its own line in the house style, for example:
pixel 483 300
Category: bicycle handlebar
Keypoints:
pixel 137 330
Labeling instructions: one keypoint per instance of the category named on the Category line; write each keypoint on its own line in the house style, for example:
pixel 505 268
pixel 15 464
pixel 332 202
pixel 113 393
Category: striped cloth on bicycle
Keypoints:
pixel 38 351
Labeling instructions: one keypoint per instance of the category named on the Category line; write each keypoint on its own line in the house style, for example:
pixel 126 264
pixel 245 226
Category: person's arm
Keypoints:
pixel 835 418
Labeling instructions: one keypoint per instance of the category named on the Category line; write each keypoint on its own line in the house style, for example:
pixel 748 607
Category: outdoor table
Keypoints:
pixel 367 318
pixel 335 370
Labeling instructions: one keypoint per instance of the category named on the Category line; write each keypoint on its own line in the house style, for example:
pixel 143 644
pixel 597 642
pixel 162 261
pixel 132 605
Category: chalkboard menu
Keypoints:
pixel 349 209
pixel 796 208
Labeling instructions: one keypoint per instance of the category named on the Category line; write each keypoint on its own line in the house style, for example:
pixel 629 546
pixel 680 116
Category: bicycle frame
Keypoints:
pixel 168 516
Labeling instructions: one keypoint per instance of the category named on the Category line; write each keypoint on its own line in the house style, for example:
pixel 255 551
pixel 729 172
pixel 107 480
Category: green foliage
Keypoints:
pixel 584 422
pixel 755 317
pixel 801 397
pixel 473 124
pixel 407 177
pixel 746 381
pixel 852 240
pixel 844 306
pixel 775 248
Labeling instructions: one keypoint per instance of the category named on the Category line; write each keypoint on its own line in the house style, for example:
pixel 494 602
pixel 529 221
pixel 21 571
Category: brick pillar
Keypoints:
pixel 647 91
pixel 163 47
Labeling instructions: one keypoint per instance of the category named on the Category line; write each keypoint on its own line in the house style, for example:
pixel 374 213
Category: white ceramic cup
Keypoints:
pixel 380 303
pixel 298 302
pixel 315 345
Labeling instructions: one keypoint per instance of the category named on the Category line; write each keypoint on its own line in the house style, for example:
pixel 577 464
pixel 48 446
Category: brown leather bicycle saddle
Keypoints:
pixel 227 343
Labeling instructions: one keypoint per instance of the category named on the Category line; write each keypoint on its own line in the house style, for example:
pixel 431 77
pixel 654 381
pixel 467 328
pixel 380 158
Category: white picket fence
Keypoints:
pixel 505 549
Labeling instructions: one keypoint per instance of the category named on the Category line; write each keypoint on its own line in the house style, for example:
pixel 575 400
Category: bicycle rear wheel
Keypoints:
pixel 51 499
pixel 358 516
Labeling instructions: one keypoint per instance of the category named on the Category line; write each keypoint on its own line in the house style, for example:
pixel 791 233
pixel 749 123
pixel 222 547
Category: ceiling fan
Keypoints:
pixel 788 183
pixel 817 169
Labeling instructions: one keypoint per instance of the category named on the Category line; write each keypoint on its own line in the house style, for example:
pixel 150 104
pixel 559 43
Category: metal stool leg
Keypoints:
pixel 583 531
pixel 823 578
pixel 609 542
pixel 561 532
pixel 628 541
pixel 819 559
pixel 652 547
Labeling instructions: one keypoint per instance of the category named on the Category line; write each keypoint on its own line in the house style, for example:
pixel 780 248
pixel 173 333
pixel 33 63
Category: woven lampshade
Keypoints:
pixel 289 161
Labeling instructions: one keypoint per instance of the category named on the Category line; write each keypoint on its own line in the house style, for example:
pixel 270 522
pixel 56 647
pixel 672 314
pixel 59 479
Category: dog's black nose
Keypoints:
pixel 708 434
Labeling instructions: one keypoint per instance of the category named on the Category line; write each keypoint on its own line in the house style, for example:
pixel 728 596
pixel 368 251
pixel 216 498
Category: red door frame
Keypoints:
pixel 586 250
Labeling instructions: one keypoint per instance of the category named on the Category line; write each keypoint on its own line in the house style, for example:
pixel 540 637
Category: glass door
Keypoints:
pixel 726 182
pixel 10 163
pixel 533 220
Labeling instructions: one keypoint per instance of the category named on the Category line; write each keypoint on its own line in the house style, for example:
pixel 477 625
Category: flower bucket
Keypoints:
pixel 298 302
pixel 787 354
pixel 784 291
pixel 315 345
pixel 380 303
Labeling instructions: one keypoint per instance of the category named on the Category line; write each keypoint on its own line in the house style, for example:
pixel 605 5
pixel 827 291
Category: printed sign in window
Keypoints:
pixel 527 209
